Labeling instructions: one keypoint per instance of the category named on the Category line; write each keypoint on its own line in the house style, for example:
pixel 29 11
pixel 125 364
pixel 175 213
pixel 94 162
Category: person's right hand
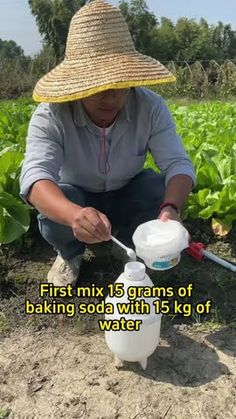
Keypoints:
pixel 91 226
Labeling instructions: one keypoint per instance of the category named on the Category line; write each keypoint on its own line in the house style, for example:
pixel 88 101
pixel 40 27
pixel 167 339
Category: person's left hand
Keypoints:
pixel 168 213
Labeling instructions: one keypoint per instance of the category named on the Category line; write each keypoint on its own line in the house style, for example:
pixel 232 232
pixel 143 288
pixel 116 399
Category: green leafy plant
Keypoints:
pixel 14 213
pixel 209 136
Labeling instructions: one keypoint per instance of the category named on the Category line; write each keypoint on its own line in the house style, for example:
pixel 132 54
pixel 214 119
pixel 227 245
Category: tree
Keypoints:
pixel 53 19
pixel 187 40
pixel 201 47
pixel 141 24
pixel 186 31
pixel 10 50
pixel 224 40
pixel 164 42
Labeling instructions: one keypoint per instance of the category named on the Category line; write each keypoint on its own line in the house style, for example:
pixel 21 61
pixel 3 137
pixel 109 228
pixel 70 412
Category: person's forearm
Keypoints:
pixel 48 199
pixel 178 190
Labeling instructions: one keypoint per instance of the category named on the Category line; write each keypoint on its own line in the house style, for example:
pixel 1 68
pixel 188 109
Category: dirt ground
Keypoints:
pixel 53 367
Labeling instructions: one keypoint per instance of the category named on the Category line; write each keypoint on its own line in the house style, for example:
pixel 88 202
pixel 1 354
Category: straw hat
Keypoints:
pixel 100 55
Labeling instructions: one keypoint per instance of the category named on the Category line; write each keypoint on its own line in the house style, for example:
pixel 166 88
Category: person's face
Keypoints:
pixel 103 107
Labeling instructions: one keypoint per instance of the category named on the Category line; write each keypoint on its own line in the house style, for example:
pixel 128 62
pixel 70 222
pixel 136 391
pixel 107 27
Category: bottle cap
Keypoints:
pixel 135 271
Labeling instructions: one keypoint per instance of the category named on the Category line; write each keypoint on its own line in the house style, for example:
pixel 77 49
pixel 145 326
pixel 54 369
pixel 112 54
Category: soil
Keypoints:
pixel 56 367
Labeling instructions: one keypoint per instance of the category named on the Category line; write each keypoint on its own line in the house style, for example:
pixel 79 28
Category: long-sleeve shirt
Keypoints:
pixel 63 144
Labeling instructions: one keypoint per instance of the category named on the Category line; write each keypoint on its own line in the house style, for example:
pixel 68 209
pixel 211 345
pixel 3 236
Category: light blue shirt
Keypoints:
pixel 63 144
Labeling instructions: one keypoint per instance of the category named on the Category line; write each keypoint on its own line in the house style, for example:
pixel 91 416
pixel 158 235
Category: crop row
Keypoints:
pixel 209 136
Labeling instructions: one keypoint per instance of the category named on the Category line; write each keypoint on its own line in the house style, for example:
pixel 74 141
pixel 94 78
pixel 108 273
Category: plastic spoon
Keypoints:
pixel 130 252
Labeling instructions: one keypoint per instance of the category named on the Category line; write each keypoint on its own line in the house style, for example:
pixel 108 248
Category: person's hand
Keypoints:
pixel 169 213
pixel 91 226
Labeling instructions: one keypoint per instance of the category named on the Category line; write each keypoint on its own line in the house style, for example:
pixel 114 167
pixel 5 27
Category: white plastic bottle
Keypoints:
pixel 136 345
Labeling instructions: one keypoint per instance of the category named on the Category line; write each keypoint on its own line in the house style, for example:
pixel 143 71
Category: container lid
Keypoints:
pixel 165 237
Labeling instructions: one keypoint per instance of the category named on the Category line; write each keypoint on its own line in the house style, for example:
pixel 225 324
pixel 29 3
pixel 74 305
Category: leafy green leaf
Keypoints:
pixel 14 218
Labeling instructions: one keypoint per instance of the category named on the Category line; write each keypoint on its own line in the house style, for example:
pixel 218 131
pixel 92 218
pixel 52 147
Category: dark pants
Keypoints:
pixel 126 208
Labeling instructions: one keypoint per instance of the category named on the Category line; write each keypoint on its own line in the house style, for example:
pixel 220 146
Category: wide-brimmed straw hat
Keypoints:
pixel 100 55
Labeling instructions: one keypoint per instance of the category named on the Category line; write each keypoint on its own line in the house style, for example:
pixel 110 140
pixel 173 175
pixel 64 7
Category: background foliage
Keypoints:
pixel 202 56
pixel 186 40
pixel 209 137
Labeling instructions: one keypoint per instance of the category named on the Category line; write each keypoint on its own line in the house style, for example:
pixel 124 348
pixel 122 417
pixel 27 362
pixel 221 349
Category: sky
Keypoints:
pixel 18 24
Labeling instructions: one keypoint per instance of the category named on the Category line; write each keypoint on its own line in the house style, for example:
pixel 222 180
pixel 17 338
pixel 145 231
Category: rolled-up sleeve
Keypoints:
pixel 44 150
pixel 166 146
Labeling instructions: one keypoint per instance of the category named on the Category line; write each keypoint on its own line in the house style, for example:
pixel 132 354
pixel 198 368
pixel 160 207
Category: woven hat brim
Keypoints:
pixel 72 80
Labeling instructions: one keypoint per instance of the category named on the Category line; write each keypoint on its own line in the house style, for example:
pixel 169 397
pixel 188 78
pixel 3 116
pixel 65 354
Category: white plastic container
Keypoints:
pixel 159 243
pixel 137 345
